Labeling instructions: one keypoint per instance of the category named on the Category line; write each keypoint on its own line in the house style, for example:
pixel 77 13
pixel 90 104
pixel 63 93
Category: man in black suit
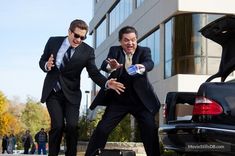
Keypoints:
pixel 138 99
pixel 63 60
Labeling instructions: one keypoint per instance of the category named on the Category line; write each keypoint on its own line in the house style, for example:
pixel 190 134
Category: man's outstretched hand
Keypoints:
pixel 117 86
pixel 50 62
pixel 113 63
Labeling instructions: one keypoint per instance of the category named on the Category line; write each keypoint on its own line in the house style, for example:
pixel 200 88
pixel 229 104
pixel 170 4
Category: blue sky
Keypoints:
pixel 25 28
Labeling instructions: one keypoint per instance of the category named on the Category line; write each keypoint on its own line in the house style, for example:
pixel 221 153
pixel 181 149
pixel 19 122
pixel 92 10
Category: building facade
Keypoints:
pixel 183 57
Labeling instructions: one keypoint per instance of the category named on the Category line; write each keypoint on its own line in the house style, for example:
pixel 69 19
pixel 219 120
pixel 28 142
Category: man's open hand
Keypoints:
pixel 113 63
pixel 117 86
pixel 50 62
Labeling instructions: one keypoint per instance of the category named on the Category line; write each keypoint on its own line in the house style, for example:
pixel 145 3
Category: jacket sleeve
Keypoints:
pixel 45 56
pixel 93 71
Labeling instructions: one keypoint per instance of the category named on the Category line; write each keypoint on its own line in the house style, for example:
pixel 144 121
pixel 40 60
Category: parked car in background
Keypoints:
pixel 203 122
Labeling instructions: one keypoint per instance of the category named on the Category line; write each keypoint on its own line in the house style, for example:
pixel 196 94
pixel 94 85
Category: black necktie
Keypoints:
pixel 128 61
pixel 66 58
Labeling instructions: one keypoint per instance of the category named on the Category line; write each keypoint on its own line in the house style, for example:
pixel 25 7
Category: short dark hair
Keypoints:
pixel 77 23
pixel 127 30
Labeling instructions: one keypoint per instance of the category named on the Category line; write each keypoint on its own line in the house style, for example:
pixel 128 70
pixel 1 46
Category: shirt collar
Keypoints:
pixel 126 53
pixel 67 42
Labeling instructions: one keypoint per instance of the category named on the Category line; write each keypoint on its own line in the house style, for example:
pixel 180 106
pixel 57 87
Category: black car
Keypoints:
pixel 203 123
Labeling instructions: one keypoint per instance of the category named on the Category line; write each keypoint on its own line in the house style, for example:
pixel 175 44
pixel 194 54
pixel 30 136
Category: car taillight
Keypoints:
pixel 205 106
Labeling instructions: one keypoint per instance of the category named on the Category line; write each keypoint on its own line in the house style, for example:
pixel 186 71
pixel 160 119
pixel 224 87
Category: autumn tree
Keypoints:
pixel 3 110
pixel 35 116
pixel 121 133
pixel 3 103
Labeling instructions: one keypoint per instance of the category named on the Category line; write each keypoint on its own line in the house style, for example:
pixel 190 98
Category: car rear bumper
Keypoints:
pixel 178 137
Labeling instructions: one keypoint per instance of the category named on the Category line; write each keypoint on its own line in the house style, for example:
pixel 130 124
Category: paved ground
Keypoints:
pixel 79 154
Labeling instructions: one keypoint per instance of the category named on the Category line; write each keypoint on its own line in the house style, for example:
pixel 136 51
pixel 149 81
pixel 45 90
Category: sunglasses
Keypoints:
pixel 78 36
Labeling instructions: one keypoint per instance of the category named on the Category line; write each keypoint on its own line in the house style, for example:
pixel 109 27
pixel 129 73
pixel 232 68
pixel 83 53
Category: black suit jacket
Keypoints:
pixel 141 84
pixel 69 76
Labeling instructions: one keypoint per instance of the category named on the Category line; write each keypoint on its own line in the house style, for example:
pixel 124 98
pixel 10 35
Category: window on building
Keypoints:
pixel 119 13
pixel 97 1
pixel 139 2
pixel 168 48
pixel 186 50
pixel 153 42
pixel 101 33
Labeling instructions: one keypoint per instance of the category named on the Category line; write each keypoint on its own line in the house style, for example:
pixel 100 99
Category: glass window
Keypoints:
pixel 213 65
pixel 153 42
pixel 101 33
pixel 139 2
pixel 119 13
pixel 168 48
pixel 190 65
pixel 214 49
pixel 186 50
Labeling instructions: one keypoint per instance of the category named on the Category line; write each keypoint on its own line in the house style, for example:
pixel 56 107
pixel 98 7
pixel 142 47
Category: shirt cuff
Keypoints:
pixel 110 70
pixel 45 67
pixel 141 70
pixel 106 85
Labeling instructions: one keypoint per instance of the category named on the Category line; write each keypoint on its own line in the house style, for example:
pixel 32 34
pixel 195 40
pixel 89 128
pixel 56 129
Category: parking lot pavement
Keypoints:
pixel 17 154
pixel 79 154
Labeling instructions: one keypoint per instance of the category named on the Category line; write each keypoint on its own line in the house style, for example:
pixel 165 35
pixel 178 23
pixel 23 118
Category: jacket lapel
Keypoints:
pixel 57 46
pixel 77 58
pixel 120 59
pixel 77 52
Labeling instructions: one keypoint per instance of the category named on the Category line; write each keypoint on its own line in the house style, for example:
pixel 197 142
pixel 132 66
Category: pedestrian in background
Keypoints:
pixel 11 144
pixel 41 140
pixel 4 144
pixel 27 141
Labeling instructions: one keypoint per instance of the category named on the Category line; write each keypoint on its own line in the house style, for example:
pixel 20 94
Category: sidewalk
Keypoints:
pixel 79 154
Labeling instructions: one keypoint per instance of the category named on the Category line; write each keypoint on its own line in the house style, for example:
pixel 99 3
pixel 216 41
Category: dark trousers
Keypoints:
pixel 4 149
pixel 113 115
pixel 26 150
pixel 42 147
pixel 64 119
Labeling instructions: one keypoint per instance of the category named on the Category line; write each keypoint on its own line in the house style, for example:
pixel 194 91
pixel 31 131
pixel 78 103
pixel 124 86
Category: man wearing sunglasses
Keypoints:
pixel 63 60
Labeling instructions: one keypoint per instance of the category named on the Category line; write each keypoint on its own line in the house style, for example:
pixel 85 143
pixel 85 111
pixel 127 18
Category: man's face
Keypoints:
pixel 76 37
pixel 129 42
